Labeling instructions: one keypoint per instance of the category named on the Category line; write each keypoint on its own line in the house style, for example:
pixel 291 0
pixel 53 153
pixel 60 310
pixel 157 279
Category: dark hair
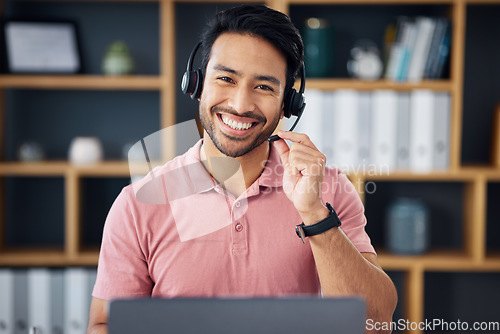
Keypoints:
pixel 259 21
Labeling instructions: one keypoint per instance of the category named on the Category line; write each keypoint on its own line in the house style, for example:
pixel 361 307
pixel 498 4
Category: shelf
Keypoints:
pixel 433 261
pixel 438 261
pixel 122 168
pixel 439 176
pixel 93 82
pixel 493 257
pixel 333 84
pixel 43 257
pixel 372 2
pixel 481 2
pixel 390 261
pixel 456 175
pixel 107 168
pixel 61 168
pixel 491 173
pixel 53 168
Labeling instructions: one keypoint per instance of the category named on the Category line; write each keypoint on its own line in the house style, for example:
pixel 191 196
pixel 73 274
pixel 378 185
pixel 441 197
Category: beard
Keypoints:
pixel 228 145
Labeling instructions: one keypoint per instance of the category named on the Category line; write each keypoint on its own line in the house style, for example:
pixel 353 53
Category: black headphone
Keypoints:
pixel 294 102
pixel 192 81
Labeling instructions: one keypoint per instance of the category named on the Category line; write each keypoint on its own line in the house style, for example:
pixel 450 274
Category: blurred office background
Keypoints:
pixel 52 208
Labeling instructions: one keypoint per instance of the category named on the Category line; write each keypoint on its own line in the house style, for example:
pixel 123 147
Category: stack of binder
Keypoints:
pixel 380 131
pixel 48 300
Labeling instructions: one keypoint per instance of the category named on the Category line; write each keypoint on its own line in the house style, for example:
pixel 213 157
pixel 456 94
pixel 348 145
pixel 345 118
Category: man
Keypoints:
pixel 233 233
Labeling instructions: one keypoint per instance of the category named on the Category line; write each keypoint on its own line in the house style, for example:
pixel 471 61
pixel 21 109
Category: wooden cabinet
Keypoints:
pixel 149 28
pixel 479 185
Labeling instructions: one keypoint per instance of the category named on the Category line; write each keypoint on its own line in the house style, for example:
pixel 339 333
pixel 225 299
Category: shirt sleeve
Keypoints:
pixel 350 210
pixel 122 270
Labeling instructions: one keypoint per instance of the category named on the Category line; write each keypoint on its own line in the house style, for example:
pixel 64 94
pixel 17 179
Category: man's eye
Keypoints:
pixel 227 79
pixel 265 87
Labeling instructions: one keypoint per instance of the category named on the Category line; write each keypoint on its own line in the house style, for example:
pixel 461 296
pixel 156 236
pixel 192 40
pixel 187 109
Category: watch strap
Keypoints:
pixel 322 226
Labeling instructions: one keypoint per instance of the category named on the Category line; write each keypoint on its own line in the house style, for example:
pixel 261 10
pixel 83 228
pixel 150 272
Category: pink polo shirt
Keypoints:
pixel 177 233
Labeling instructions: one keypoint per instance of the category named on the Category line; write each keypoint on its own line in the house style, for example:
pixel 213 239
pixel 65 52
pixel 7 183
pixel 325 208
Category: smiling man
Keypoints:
pixel 240 120
pixel 234 234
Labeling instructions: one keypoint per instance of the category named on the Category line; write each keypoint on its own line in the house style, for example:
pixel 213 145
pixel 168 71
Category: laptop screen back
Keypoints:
pixel 242 316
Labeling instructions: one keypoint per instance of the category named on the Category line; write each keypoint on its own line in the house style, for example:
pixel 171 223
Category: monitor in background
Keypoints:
pixel 242 316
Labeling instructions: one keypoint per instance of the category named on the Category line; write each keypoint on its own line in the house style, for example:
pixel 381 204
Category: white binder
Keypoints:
pixel 403 132
pixel 76 300
pixel 327 127
pixel 6 301
pixel 310 122
pixel 21 301
pixel 39 300
pixel 442 131
pixel 364 129
pixel 421 131
pixel 384 132
pixel 57 300
pixel 345 129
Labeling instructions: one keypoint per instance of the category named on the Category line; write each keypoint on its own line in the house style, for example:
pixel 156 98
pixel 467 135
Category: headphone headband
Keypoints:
pixel 302 87
pixel 189 66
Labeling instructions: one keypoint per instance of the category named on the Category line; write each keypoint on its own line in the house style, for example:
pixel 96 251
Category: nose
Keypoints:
pixel 242 100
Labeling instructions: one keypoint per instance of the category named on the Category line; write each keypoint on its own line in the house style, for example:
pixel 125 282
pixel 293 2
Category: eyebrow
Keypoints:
pixel 269 78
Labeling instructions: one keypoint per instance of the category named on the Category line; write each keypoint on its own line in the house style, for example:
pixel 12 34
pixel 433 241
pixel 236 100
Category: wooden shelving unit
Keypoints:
pixel 62 168
pixel 472 257
pixel 333 84
pixel 93 82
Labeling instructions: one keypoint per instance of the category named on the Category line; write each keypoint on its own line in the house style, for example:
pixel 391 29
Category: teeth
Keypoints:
pixel 236 125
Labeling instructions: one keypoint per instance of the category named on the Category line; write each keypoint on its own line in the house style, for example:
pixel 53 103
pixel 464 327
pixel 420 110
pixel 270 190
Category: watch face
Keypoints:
pixel 300 232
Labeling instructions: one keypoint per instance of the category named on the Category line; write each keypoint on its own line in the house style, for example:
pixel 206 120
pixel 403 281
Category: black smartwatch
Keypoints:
pixel 303 231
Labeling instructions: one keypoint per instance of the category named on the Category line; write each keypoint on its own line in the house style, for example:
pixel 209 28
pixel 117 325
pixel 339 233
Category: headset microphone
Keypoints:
pixel 294 102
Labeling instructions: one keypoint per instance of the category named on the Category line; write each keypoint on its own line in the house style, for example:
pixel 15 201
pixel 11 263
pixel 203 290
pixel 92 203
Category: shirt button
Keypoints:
pixel 239 227
pixel 237 204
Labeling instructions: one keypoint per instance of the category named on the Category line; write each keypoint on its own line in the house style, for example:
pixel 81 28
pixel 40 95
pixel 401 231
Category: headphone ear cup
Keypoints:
pixel 299 104
pixel 188 82
pixel 294 104
pixel 288 104
pixel 198 85
pixel 192 83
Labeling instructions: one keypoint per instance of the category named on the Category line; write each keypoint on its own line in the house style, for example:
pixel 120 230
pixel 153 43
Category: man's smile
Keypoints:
pixel 236 125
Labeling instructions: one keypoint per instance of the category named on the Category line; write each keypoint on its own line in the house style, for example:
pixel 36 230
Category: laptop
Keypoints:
pixel 241 316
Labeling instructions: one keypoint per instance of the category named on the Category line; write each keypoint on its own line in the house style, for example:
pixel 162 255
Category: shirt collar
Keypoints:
pixel 272 175
pixel 201 180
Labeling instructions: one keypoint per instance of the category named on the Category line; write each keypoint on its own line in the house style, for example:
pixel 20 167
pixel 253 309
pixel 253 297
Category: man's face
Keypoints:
pixel 241 103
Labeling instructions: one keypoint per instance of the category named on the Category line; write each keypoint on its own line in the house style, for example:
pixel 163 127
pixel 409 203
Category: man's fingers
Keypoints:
pixel 310 167
pixel 297 138
pixel 283 150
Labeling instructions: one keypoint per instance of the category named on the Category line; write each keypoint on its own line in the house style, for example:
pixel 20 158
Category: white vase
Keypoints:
pixel 85 150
